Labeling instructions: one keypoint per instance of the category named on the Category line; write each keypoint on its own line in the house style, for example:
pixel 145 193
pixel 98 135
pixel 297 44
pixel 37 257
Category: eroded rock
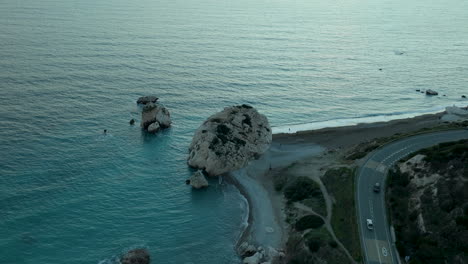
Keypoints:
pixel 147 99
pixel 154 127
pixel 136 256
pixel 198 180
pixel 152 113
pixel 431 92
pixel 228 140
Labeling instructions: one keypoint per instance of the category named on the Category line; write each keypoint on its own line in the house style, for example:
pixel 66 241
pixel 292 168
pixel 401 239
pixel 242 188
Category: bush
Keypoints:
pixel 300 189
pixel 313 245
pixel 279 181
pixel 309 221
pixel 462 221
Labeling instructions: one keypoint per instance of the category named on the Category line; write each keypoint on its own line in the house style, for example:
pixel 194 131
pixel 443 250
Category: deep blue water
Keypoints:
pixel 69 69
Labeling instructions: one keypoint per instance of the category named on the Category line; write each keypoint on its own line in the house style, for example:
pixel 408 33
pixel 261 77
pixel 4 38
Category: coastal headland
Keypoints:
pixel 301 191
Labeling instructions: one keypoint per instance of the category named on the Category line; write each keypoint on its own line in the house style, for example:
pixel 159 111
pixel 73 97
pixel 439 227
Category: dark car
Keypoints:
pixel 377 187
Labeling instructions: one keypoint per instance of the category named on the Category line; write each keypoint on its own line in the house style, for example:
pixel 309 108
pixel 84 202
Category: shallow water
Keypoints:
pixel 70 69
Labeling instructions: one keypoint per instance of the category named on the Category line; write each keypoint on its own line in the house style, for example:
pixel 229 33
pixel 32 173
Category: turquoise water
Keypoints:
pixel 69 69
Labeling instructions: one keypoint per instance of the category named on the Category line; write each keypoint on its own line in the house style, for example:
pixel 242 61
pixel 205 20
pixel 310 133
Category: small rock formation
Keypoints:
pixel 228 140
pixel 418 90
pixel 198 180
pixel 463 96
pixel 431 92
pixel 255 259
pixel 155 113
pixel 247 250
pixel 136 256
pixel 154 127
pixel 147 99
pixel 132 121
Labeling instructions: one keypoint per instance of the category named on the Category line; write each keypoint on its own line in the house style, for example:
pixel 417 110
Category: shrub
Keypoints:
pixel 309 221
pixel 279 181
pixel 300 189
pixel 333 244
pixel 313 245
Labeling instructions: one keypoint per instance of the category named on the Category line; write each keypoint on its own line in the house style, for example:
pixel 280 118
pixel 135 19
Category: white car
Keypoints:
pixel 370 225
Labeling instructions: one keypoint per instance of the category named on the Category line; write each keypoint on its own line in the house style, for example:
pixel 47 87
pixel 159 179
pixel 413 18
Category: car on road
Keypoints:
pixel 370 225
pixel 377 187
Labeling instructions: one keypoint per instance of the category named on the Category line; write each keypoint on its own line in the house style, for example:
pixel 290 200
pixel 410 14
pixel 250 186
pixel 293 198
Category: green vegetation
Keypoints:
pixel 279 181
pixel 309 221
pixel 443 206
pixel 340 184
pixel 316 203
pixel 301 188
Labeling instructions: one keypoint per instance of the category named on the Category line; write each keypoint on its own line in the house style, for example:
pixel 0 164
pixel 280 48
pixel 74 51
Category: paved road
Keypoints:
pixel 378 245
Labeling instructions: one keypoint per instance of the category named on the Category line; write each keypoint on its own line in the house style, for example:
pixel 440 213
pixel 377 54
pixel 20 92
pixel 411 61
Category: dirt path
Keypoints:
pixel 328 226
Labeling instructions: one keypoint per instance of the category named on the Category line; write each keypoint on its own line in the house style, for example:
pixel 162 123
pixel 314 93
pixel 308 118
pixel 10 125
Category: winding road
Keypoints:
pixel 379 244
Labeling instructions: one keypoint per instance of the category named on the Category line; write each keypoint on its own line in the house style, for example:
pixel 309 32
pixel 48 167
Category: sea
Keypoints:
pixel 71 68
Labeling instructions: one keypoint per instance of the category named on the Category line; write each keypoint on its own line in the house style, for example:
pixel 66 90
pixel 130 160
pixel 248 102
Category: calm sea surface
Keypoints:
pixel 71 68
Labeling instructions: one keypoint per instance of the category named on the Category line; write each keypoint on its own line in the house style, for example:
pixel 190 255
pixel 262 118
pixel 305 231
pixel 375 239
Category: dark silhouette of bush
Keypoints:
pixel 313 245
pixel 333 244
pixel 301 188
pixel 309 221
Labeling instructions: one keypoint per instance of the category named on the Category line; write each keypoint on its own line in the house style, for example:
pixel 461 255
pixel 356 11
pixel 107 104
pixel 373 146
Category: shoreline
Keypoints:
pixel 229 178
pixel 287 149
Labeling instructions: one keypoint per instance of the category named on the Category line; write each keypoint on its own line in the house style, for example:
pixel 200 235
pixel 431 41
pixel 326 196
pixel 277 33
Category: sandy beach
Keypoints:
pixel 311 152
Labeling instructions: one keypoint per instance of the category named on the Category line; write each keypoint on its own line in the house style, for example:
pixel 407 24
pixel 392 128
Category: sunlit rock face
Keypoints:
pixel 228 140
pixel 155 113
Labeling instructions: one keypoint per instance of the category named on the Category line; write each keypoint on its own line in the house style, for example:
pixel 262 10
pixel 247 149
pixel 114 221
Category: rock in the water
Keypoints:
pixel 418 90
pixel 147 99
pixel 132 121
pixel 163 117
pixel 198 180
pixel 154 127
pixel 136 256
pixel 463 96
pixel 228 140
pixel 431 92
pixel 255 259
pixel 155 113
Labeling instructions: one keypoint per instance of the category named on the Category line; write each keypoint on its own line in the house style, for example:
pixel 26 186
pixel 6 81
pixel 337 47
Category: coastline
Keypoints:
pixel 287 149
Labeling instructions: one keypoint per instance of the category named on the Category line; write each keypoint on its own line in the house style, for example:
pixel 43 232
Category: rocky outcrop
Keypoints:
pixel 132 121
pixel 154 127
pixel 431 92
pixel 255 259
pixel 228 140
pixel 198 180
pixel 136 256
pixel 251 254
pixel 155 113
pixel 147 99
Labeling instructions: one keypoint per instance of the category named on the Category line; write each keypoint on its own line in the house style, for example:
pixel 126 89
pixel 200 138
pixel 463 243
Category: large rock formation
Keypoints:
pixel 155 113
pixel 228 140
pixel 136 256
